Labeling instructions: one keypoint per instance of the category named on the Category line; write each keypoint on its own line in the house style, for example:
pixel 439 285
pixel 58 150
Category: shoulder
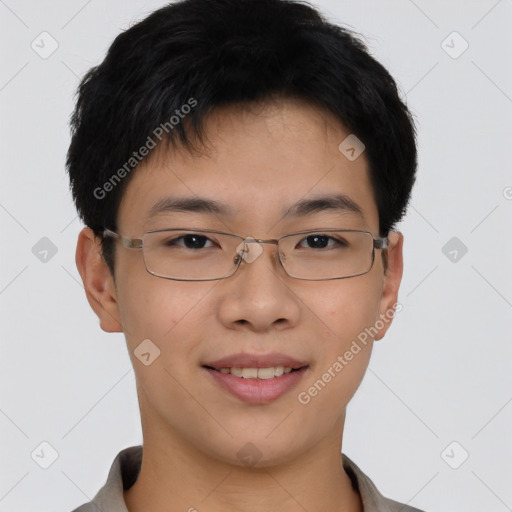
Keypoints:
pixel 123 473
pixel 373 500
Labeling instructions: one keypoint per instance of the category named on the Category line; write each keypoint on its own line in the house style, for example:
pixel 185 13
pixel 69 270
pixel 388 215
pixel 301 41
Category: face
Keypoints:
pixel 259 163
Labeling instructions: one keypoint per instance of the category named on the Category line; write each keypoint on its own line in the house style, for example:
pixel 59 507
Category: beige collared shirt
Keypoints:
pixel 126 466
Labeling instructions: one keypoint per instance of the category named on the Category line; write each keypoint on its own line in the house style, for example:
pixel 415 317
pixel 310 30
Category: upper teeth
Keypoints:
pixel 257 373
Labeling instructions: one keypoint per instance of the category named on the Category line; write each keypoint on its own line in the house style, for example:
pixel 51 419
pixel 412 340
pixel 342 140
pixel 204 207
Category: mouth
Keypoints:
pixel 270 372
pixel 257 379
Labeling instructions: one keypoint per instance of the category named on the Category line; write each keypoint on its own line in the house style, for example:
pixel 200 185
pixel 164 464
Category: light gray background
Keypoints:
pixel 442 374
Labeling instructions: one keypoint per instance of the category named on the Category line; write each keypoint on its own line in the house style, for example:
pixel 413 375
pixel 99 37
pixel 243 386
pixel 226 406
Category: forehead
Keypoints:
pixel 260 165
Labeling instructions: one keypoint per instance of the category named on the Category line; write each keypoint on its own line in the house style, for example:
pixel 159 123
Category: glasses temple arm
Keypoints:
pixel 130 243
pixel 381 243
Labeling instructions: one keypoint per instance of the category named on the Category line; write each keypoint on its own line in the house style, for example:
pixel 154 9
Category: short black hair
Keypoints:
pixel 205 54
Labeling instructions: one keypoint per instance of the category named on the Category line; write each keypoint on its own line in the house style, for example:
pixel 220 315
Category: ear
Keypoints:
pixel 98 281
pixel 392 279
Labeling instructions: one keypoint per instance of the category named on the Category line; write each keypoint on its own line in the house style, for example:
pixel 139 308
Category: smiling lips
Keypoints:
pixel 257 379
pixel 257 373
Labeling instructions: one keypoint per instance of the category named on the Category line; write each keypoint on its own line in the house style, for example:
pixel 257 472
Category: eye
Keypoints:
pixel 190 241
pixel 319 241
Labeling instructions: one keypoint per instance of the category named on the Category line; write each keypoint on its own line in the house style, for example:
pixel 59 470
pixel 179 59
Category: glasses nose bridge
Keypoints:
pixel 251 240
pixel 274 241
pixel 268 241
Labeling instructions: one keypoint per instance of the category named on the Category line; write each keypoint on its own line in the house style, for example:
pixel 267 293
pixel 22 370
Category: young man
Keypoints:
pixel 240 166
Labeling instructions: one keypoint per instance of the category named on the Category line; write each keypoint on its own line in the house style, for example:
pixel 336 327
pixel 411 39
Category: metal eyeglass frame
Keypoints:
pixel 137 243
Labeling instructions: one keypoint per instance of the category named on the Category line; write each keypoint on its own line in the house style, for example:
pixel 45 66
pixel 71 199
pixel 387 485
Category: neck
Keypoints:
pixel 176 476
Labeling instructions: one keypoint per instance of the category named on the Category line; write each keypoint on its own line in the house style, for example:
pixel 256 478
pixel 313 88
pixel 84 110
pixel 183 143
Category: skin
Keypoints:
pixel 259 161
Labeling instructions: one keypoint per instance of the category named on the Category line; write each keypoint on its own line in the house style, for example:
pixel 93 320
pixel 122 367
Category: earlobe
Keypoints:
pixel 98 281
pixel 392 279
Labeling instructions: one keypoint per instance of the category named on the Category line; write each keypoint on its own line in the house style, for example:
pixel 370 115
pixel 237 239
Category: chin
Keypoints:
pixel 257 450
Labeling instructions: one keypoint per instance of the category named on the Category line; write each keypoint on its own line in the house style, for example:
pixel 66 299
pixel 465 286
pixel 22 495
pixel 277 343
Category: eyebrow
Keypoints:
pixel 189 204
pixel 335 203
pixel 302 208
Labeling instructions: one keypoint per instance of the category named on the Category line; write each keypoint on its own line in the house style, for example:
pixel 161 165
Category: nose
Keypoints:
pixel 258 296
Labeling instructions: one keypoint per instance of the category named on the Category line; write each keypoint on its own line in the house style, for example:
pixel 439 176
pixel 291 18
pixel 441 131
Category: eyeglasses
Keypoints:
pixel 184 254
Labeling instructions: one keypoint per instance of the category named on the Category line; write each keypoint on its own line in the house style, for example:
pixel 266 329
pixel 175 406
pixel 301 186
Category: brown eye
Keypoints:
pixel 319 241
pixel 188 241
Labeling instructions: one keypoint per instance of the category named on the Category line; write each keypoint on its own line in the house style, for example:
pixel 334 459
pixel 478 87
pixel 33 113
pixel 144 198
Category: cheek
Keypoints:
pixel 160 310
pixel 344 313
pixel 344 308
